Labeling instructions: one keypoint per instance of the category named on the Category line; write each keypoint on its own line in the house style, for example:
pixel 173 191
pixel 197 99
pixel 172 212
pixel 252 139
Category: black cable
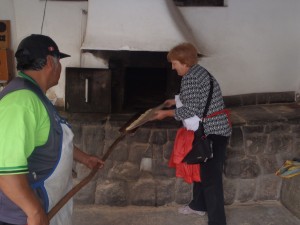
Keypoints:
pixel 44 16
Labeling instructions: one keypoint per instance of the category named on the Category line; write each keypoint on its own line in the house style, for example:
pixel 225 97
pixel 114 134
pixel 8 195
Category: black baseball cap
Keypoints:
pixel 38 46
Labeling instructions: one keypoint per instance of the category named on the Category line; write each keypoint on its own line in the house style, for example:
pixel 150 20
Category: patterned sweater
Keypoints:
pixel 194 90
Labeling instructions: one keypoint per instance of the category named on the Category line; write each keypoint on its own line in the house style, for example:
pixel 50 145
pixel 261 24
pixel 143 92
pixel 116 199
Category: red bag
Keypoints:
pixel 182 146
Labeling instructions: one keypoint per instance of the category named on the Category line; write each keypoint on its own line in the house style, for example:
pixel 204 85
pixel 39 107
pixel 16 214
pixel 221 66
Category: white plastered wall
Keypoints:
pixel 64 22
pixel 250 46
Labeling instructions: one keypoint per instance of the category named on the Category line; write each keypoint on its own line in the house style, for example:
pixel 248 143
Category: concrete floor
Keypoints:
pixel 264 213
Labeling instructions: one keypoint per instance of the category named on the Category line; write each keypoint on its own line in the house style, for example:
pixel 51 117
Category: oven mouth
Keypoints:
pixel 144 87
pixel 132 83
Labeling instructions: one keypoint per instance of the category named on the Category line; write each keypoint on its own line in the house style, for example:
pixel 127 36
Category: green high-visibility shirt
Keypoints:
pixel 24 125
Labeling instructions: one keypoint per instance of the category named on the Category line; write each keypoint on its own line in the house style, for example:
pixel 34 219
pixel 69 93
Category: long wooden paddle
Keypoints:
pixel 130 127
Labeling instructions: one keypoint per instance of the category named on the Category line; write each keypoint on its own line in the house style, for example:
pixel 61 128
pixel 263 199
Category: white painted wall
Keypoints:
pixel 7 13
pixel 251 46
pixel 64 22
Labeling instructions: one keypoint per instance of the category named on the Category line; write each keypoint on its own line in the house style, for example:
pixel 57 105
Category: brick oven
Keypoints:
pixel 124 70
pixel 127 69
pixel 133 82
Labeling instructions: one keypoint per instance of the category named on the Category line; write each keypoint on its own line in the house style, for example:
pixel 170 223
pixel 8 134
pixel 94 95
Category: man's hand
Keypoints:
pixel 92 161
pixel 38 218
pixel 89 160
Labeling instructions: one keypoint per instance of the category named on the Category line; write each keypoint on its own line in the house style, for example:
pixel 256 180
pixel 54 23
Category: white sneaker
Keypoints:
pixel 187 210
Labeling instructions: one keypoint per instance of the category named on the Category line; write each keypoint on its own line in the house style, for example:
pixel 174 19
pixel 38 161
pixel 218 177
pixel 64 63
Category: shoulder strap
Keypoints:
pixel 19 83
pixel 209 96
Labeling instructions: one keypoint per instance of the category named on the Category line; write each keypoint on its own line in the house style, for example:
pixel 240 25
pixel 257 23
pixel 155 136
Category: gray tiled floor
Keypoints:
pixel 264 213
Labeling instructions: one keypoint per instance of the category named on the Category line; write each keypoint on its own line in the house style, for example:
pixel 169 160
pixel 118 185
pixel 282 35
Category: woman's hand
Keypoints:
pixel 161 114
pixel 169 103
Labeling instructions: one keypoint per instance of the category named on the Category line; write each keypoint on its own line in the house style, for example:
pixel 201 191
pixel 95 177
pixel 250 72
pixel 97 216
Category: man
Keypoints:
pixel 36 147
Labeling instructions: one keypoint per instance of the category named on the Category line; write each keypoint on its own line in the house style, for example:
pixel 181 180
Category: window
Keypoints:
pixel 199 2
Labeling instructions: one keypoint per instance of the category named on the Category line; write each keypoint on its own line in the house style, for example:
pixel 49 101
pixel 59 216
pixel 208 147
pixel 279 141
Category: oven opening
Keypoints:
pixel 144 87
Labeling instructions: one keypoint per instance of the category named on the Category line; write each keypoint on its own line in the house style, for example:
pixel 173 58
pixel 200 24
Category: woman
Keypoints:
pixel 195 85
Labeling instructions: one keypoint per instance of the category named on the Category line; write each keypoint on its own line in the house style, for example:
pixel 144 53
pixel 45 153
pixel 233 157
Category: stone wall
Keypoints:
pixel 263 138
pixel 290 194
pixel 254 154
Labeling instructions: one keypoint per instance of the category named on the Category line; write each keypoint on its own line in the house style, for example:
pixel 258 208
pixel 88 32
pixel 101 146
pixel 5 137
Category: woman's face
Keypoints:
pixel 180 68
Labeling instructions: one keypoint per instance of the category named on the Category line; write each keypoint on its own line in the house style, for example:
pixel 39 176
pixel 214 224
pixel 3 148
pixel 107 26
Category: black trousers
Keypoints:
pixel 208 194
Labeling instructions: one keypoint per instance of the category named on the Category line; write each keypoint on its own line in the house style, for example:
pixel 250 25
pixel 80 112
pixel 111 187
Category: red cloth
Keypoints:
pixel 183 144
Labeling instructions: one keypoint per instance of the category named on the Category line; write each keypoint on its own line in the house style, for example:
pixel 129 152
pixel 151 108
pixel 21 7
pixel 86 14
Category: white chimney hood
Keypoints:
pixel 134 25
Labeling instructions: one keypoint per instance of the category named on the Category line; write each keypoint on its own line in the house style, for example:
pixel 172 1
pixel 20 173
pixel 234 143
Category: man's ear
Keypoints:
pixel 50 62
pixel 48 58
